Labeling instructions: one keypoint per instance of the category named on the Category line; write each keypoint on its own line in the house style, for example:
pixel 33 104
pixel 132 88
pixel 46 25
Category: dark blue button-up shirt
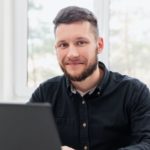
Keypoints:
pixel 116 116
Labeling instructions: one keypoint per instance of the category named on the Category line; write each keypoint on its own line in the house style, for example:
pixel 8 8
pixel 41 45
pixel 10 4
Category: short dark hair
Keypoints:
pixel 73 14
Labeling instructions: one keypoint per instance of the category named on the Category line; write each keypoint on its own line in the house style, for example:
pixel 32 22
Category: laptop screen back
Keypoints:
pixel 28 127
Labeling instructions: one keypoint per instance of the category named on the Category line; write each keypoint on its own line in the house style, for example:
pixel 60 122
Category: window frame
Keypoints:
pixel 21 37
pixel 102 12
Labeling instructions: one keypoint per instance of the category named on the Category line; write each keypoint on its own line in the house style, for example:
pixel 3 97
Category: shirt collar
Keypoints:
pixel 82 93
pixel 101 86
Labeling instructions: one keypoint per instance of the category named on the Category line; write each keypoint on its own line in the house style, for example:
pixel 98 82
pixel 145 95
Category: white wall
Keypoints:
pixel 6 50
pixel 1 46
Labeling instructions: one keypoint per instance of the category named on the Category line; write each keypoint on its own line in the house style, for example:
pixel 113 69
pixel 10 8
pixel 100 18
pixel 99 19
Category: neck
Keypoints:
pixel 90 82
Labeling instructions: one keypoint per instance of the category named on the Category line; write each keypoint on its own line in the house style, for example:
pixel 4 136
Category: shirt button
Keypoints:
pixel 98 93
pixel 85 147
pixel 83 102
pixel 84 124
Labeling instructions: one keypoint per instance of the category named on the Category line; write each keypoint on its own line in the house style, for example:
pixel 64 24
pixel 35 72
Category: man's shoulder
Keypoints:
pixel 51 85
pixel 126 80
pixel 46 91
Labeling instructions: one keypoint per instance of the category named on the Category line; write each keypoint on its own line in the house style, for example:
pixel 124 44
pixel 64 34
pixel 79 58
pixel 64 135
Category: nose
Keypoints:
pixel 73 51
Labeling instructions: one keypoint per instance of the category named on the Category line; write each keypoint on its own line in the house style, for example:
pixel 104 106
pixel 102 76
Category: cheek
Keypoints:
pixel 92 52
pixel 93 55
pixel 60 56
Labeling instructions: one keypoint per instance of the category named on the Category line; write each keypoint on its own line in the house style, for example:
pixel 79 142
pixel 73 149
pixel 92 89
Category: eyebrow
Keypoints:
pixel 58 42
pixel 81 38
pixel 78 38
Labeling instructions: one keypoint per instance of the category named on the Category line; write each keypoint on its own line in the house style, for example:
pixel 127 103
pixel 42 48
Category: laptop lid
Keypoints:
pixel 28 127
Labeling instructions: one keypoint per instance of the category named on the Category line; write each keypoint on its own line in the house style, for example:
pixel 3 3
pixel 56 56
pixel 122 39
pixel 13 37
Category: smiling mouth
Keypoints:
pixel 74 63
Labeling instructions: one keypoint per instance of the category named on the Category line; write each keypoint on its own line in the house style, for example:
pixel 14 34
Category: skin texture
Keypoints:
pixel 66 148
pixel 77 48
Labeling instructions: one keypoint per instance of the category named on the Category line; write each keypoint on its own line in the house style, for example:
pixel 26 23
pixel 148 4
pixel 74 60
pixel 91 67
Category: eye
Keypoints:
pixel 62 45
pixel 81 43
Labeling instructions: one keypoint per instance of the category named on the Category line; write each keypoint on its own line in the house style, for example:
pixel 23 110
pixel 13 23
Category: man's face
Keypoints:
pixel 77 49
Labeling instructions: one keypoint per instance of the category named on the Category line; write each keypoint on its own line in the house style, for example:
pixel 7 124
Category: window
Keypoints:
pixel 129 38
pixel 125 26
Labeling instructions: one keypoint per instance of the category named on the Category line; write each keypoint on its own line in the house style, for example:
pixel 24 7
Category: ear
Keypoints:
pixel 100 45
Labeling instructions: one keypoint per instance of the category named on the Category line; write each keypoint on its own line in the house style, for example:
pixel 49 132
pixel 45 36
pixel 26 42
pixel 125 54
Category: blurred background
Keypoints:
pixel 27 54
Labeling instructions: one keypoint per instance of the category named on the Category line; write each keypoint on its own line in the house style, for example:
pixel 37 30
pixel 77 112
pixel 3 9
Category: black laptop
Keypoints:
pixel 28 127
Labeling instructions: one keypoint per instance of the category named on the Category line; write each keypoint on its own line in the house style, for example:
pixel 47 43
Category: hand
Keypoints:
pixel 66 148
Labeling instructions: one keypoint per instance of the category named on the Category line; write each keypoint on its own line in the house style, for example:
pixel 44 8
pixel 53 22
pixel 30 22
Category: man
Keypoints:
pixel 94 108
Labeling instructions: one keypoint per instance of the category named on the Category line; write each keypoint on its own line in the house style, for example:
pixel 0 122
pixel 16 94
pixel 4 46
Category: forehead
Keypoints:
pixel 72 30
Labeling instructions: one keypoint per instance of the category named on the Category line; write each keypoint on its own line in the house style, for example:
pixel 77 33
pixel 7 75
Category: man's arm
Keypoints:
pixel 67 148
pixel 140 120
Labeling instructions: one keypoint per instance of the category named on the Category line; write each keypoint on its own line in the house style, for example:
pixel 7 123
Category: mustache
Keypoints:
pixel 74 61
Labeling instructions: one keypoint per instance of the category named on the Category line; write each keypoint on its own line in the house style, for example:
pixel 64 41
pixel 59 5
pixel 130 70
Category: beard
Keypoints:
pixel 84 74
